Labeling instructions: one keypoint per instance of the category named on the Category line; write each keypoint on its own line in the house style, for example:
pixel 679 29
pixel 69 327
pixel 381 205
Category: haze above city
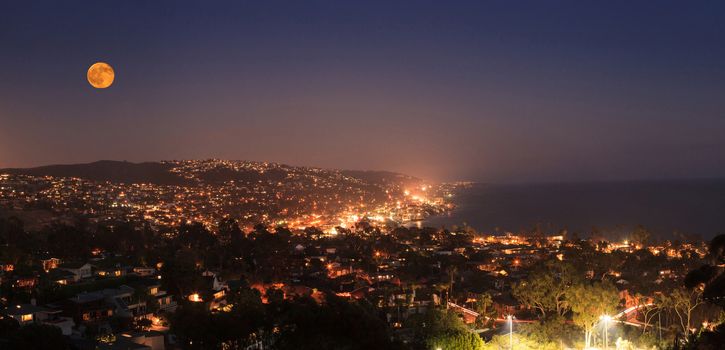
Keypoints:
pixel 501 92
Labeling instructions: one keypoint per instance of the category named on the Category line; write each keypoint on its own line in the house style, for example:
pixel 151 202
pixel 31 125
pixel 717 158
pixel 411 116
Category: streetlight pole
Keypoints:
pixel 606 319
pixel 606 335
pixel 511 332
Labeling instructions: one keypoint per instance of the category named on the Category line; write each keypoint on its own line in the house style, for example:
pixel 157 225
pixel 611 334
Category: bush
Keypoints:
pixel 521 342
pixel 455 340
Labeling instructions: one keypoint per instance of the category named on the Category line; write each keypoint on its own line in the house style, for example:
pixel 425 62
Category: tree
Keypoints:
pixel 649 308
pixel 334 324
pixel 196 236
pixel 534 292
pixel 640 235
pixel 455 340
pixel 69 243
pixel 142 324
pixel 451 270
pixel 11 230
pixel 270 253
pixel 683 302
pixel 708 340
pixel 545 287
pixel 313 233
pixel 710 275
pixel 35 336
pixel 552 332
pixel 8 327
pixel 444 329
pixel 589 301
pixel 179 274
pixel 229 231
pixel 274 295
pixel 521 342
pixel 484 306
pixel 197 328
pixel 193 326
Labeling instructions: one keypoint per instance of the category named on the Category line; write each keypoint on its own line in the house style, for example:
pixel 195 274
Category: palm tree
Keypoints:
pixel 452 270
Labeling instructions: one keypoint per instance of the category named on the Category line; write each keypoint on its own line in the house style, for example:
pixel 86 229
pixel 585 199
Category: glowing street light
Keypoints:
pixel 606 319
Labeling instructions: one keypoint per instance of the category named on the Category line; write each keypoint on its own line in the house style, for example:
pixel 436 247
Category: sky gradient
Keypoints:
pixel 446 90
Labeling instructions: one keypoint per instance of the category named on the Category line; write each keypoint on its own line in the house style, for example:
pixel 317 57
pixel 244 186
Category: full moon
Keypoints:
pixel 100 75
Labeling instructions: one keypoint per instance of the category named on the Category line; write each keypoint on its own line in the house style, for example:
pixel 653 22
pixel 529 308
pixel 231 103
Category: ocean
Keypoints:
pixel 668 208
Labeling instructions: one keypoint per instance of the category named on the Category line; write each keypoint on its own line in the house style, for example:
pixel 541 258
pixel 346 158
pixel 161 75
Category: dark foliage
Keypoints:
pixel 333 325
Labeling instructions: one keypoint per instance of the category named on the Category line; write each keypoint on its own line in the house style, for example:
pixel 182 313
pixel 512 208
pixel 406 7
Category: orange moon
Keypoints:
pixel 100 75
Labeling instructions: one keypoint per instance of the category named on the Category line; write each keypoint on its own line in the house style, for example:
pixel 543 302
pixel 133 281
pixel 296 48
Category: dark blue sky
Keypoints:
pixel 494 91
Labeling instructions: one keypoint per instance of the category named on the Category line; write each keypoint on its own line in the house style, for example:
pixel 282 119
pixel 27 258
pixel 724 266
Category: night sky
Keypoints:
pixel 504 91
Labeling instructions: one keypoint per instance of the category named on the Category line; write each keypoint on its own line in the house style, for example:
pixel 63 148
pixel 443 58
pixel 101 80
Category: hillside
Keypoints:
pixel 171 192
pixel 108 170
pixel 167 173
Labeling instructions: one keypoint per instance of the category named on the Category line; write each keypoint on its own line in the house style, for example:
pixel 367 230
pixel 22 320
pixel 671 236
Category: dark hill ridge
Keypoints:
pixel 108 170
pixel 161 173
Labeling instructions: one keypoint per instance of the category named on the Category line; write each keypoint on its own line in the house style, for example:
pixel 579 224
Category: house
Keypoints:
pixel 115 271
pixel 23 313
pixel 53 317
pixel 297 291
pixel 87 308
pixel 28 313
pixel 6 266
pixel 79 270
pixel 125 302
pixel 335 269
pixel 166 302
pixel 212 299
pixel 144 271
pixel 217 283
pixel 61 277
pixel 360 293
pixel 111 267
pixel 484 266
pixel 151 339
pixel 152 288
pixel 213 293
pixel 25 282
pixel 122 343
pixel 50 263
pixel 469 316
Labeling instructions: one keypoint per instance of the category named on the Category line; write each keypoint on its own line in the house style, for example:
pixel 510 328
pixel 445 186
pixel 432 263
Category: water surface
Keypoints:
pixel 684 206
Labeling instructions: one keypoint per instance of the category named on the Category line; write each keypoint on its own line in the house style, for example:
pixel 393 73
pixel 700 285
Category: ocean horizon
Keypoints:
pixel 670 209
